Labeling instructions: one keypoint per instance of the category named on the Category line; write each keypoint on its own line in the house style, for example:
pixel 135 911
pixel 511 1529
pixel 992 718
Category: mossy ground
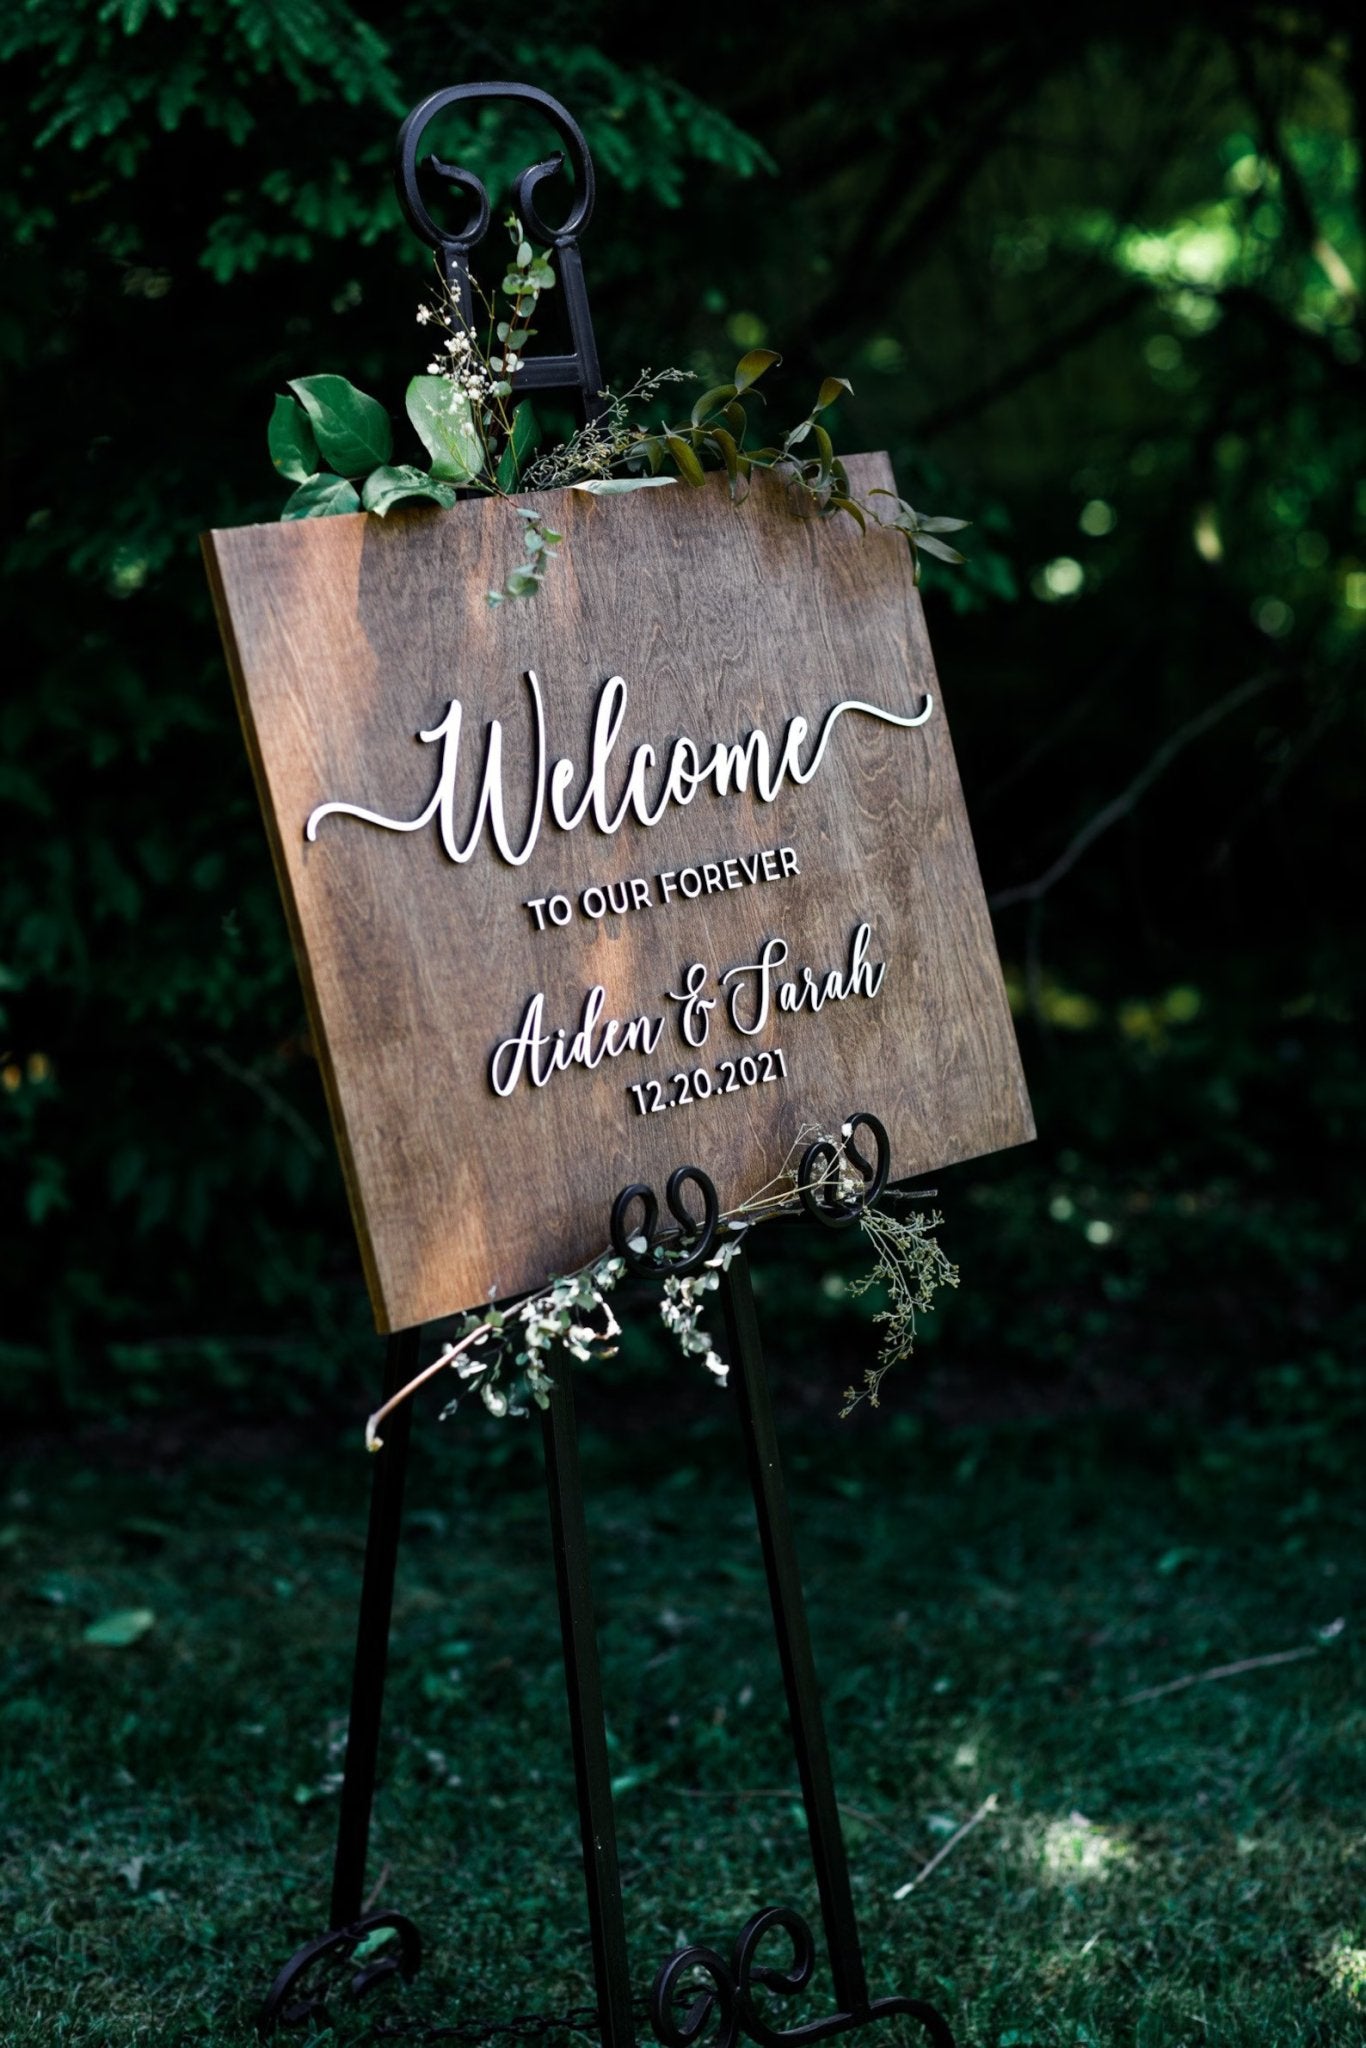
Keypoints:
pixel 1189 1868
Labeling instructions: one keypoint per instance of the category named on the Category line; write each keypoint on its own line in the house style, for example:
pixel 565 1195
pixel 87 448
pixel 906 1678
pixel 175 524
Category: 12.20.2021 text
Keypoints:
pixel 749 1071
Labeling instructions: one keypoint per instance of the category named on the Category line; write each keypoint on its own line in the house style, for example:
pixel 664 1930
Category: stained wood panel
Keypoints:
pixel 347 637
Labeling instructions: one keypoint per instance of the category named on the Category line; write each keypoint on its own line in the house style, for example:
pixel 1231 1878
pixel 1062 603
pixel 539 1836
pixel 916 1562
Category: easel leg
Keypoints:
pixel 755 1404
pixel 583 1680
pixel 736 1980
pixel 372 1635
pixel 290 2000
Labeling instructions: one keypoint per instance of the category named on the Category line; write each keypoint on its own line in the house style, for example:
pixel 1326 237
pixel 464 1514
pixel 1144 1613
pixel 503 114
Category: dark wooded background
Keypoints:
pixel 1095 276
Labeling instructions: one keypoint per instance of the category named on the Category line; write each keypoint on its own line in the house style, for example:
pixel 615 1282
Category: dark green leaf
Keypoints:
pixel 689 468
pixel 293 449
pixel 941 548
pixel 117 1631
pixel 352 430
pixel 737 420
pixel 729 453
pixel 842 504
pixel 712 401
pixel 831 389
pixel 752 365
pixel 446 428
pixel 385 488
pixel 823 442
pixel 319 497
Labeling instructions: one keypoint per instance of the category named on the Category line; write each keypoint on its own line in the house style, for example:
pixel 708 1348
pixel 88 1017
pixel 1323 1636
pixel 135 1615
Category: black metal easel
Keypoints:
pixel 727 2006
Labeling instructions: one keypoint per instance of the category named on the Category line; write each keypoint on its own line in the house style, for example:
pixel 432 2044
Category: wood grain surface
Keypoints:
pixel 347 636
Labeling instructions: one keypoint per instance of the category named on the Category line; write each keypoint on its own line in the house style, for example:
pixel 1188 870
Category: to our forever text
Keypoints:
pixel 670 885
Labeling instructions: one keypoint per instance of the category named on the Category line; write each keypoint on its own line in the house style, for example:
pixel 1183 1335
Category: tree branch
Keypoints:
pixel 1046 356
pixel 1129 798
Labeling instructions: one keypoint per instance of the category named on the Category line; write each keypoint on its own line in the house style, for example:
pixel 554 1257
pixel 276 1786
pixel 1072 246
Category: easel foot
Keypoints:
pixel 378 1946
pixel 724 2012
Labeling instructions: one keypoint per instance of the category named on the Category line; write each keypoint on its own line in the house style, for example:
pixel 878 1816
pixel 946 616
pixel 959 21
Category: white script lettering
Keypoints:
pixel 690 766
pixel 539 1053
pixel 862 977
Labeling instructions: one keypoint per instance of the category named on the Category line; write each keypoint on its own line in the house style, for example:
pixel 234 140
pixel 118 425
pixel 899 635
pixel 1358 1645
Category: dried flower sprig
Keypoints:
pixel 912 1266
pixel 503 1354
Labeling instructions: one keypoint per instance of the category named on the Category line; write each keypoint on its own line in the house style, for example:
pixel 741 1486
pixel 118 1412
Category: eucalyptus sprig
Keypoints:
pixel 335 444
pixel 504 1354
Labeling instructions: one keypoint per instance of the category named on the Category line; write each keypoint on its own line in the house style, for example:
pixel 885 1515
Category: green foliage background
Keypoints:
pixel 1096 279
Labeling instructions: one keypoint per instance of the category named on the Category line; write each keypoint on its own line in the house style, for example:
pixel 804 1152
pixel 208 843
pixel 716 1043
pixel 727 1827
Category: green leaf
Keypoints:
pixel 799 433
pixel 384 488
pixel 940 548
pixel 445 426
pixel 854 511
pixel 831 389
pixel 939 525
pixel 320 497
pixel 736 465
pixel 353 430
pixel 712 401
pixel 617 486
pixel 116 1631
pixel 526 432
pixel 372 1943
pixel 823 442
pixel 689 468
pixel 293 449
pixel 522 583
pixel 752 365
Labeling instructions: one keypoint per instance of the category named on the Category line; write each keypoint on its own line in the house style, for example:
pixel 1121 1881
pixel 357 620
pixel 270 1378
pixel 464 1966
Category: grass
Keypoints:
pixel 1184 1869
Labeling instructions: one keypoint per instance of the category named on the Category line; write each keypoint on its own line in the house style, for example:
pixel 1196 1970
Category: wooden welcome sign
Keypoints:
pixel 663 864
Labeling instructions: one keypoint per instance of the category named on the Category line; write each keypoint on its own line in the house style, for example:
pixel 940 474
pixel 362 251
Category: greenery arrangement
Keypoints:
pixel 335 443
pixel 504 1354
